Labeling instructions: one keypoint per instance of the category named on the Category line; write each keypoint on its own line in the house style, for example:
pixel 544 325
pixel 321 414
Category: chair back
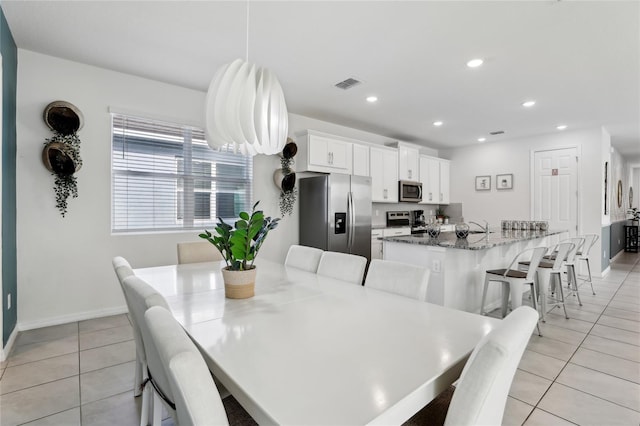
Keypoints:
pixel 197 399
pixel 303 257
pixel 142 297
pixel 342 266
pixel 123 270
pixel 399 278
pixel 562 251
pixel 481 394
pixel 589 241
pixel 198 251
pixel 536 256
pixel 577 243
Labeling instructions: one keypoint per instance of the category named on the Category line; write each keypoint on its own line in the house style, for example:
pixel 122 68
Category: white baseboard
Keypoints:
pixel 4 352
pixel 78 316
pixel 605 272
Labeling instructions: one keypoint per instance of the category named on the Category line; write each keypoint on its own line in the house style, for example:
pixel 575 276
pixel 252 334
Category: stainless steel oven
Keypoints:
pixel 409 191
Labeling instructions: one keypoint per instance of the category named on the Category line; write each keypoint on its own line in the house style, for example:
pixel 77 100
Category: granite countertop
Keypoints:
pixel 474 241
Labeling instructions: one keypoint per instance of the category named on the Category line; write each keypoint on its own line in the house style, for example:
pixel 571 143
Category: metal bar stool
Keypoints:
pixel 551 277
pixel 583 254
pixel 513 280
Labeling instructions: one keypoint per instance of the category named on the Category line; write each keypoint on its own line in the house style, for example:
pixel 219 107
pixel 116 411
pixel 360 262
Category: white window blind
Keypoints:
pixel 166 177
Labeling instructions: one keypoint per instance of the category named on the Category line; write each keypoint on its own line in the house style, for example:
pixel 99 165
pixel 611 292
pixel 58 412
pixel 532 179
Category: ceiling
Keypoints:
pixel 580 61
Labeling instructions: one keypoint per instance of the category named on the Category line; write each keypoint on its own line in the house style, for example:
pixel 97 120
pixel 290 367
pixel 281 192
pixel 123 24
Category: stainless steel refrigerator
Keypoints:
pixel 335 213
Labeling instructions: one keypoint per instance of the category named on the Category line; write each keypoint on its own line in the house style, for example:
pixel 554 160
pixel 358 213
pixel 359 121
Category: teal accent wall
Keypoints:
pixel 617 239
pixel 605 239
pixel 8 207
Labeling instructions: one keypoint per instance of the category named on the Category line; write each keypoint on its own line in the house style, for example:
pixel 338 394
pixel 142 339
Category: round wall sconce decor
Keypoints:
pixel 61 153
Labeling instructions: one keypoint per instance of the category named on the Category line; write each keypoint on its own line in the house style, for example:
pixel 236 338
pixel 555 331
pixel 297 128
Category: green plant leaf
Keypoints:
pixel 244 215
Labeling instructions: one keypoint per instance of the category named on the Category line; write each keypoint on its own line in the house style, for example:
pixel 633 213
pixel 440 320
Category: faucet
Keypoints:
pixel 485 228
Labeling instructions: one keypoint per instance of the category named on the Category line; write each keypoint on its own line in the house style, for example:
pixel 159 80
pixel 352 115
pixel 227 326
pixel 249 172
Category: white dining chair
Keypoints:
pixel 342 266
pixel 303 257
pixel 398 278
pixel 123 270
pixel 156 390
pixel 198 251
pixel 480 396
pixel 197 400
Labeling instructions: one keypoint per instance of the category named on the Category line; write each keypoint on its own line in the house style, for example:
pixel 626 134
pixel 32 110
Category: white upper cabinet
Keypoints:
pixel 444 181
pixel 384 175
pixel 360 160
pixel 434 175
pixel 408 163
pixel 319 152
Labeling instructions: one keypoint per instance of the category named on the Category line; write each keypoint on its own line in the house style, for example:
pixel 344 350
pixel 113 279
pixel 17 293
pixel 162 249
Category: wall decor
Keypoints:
pixel 504 181
pixel 630 197
pixel 483 183
pixel 61 153
pixel 619 194
pixel 606 188
pixel 285 178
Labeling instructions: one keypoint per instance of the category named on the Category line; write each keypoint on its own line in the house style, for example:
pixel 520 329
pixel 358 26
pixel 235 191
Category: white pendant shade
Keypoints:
pixel 245 107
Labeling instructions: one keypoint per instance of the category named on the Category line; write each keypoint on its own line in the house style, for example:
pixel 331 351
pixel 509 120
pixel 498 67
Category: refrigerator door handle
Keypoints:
pixel 352 220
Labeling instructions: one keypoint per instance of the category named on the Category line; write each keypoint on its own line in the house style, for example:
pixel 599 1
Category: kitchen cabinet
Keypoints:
pixel 376 244
pixel 408 163
pixel 320 152
pixel 396 232
pixel 360 160
pixel 434 175
pixel 384 174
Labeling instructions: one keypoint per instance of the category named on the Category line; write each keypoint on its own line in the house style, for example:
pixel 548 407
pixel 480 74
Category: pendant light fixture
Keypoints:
pixel 245 107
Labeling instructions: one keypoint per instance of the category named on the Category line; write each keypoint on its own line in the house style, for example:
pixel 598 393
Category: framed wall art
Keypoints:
pixel 483 183
pixel 504 181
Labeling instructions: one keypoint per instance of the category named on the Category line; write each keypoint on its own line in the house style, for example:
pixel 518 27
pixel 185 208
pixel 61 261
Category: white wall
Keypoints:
pixel 514 156
pixel 64 264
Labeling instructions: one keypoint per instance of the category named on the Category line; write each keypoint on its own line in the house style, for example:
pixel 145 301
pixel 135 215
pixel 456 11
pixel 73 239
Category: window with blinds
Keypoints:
pixel 165 177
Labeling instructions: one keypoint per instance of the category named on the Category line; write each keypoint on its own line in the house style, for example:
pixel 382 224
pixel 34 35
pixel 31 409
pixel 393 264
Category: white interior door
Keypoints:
pixel 555 188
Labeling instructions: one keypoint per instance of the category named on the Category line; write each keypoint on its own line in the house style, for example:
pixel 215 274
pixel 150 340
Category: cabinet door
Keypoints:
pixel 444 182
pixel 338 155
pixel 360 160
pixel 424 178
pixel 328 155
pixel 390 169
pixel 431 194
pixel 408 166
pixel 384 175
pixel 376 161
pixel 319 151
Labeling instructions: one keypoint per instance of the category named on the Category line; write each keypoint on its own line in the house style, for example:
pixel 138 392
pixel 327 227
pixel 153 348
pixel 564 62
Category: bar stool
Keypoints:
pixel 570 265
pixel 583 254
pixel 551 277
pixel 513 280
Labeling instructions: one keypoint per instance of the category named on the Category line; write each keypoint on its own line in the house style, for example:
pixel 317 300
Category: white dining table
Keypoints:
pixel 308 349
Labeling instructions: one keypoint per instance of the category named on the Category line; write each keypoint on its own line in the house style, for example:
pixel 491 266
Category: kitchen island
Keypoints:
pixel 458 265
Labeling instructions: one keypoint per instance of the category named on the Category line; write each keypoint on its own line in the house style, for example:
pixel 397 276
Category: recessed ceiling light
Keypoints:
pixel 528 104
pixel 438 123
pixel 372 99
pixel 482 139
pixel 561 127
pixel 475 63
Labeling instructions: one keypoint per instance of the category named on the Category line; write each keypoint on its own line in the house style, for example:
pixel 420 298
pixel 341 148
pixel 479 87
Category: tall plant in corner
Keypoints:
pixel 240 244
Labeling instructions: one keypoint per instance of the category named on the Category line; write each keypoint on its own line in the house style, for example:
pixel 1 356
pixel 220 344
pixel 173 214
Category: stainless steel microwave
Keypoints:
pixel 409 191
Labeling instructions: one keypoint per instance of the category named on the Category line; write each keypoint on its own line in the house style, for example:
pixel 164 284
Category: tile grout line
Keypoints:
pixel 572 355
pixel 79 379
pixel 579 346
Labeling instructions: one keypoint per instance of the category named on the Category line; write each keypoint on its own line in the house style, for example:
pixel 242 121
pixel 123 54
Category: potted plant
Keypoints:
pixel 239 245
pixel 635 213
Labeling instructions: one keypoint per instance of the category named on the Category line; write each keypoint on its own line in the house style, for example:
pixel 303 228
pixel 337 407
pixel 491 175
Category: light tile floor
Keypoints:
pixel 585 370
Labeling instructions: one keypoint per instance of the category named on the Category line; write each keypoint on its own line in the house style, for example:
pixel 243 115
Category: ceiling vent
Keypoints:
pixel 497 132
pixel 347 84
